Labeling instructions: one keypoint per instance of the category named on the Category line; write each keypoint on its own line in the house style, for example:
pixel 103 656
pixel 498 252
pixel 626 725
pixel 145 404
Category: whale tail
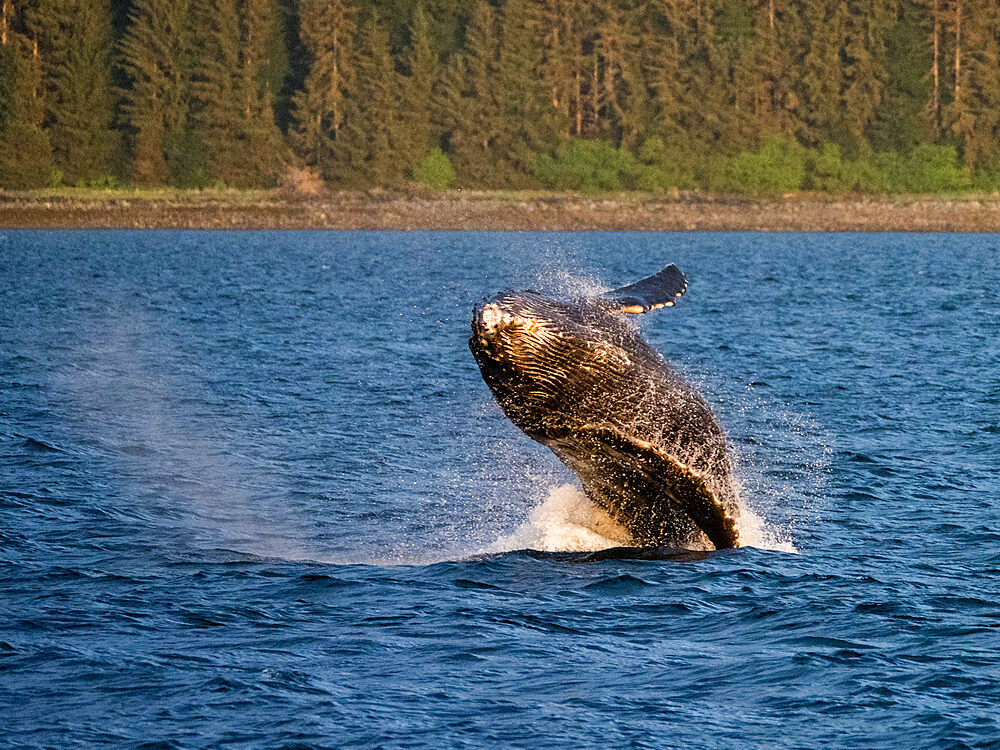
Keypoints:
pixel 652 293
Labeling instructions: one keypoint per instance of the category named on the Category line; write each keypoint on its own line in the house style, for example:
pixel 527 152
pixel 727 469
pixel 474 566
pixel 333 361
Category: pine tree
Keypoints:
pixel 557 25
pixel 705 75
pixel 443 18
pixel 327 31
pixel 263 140
pixel 660 59
pixel 624 95
pixel 25 152
pixel 823 75
pixel 525 116
pixel 231 110
pixel 978 108
pixel 74 41
pixel 371 145
pixel 786 44
pixel 156 53
pixel 934 105
pixel 215 87
pixel 418 90
pixel 468 105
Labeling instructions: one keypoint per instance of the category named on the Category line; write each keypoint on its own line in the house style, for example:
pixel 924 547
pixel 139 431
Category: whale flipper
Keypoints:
pixel 652 293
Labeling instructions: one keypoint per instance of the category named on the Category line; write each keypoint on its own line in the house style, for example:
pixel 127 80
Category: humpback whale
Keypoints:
pixel 576 376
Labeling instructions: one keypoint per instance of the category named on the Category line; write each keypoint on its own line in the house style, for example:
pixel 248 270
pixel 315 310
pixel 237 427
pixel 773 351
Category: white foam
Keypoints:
pixel 756 532
pixel 565 522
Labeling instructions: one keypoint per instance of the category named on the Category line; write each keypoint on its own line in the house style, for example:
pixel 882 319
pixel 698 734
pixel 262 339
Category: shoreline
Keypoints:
pixel 485 210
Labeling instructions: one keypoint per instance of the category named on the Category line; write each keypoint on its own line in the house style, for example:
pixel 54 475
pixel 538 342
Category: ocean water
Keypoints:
pixel 254 493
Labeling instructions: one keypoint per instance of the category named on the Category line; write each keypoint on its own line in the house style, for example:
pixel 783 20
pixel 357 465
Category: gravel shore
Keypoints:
pixel 501 211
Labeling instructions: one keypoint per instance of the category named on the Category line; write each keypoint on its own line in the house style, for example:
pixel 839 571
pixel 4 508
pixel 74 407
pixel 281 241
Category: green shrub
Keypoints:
pixel 987 177
pixel 864 176
pixel 105 182
pixel 653 151
pixel 588 166
pixel 662 168
pixel 826 168
pixel 778 166
pixel 435 170
pixel 935 169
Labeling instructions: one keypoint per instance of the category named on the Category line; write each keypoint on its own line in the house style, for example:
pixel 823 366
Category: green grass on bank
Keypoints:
pixel 235 197
pixel 596 169
pixel 142 194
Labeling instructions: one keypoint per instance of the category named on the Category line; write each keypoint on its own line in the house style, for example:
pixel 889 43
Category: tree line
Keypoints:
pixel 874 95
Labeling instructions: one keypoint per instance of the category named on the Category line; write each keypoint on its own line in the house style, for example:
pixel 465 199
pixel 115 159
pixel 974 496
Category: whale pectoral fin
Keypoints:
pixel 654 478
pixel 659 290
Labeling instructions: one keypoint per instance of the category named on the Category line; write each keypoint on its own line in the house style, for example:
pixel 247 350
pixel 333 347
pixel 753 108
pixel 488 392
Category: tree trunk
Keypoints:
pixel 579 104
pixel 556 51
pixel 958 49
pixel 595 95
pixel 335 91
pixel 935 72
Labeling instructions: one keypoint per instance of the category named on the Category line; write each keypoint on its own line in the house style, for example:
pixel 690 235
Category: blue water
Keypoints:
pixel 254 493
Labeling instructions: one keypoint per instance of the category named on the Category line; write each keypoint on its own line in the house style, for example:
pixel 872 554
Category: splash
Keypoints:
pixel 565 522
pixel 756 532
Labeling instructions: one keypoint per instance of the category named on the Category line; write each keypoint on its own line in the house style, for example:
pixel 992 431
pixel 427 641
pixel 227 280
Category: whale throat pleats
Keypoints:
pixel 651 493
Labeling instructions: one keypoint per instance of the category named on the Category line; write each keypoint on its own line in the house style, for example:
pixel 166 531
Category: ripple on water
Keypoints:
pixel 255 493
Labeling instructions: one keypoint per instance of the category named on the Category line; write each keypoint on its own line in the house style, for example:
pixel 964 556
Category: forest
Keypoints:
pixel 738 96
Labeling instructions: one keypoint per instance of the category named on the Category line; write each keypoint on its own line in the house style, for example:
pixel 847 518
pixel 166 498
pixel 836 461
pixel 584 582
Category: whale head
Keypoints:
pixel 546 360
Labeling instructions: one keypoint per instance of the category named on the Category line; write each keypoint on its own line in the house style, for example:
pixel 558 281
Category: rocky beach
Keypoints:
pixel 471 210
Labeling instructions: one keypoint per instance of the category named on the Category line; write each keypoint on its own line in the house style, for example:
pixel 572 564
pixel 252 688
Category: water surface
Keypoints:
pixel 255 493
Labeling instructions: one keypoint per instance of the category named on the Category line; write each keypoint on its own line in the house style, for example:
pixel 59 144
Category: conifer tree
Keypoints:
pixel 371 145
pixel 660 59
pixel 264 143
pixel 934 9
pixel 526 118
pixel 823 73
pixel 624 96
pixel 468 104
pixel 231 108
pixel 25 152
pixel 327 28
pixel 783 45
pixel 867 23
pixel 443 24
pixel 977 111
pixel 215 87
pixel 156 59
pixel 418 90
pixel 705 80
pixel 557 25
pixel 74 41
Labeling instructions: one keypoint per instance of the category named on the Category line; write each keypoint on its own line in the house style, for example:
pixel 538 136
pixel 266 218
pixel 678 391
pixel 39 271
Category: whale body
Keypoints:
pixel 575 375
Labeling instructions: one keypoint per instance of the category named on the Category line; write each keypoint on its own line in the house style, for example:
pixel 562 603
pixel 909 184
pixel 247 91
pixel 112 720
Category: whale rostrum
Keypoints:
pixel 575 375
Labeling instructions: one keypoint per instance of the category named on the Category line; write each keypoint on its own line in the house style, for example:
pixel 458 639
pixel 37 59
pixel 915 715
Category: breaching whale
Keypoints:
pixel 575 375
